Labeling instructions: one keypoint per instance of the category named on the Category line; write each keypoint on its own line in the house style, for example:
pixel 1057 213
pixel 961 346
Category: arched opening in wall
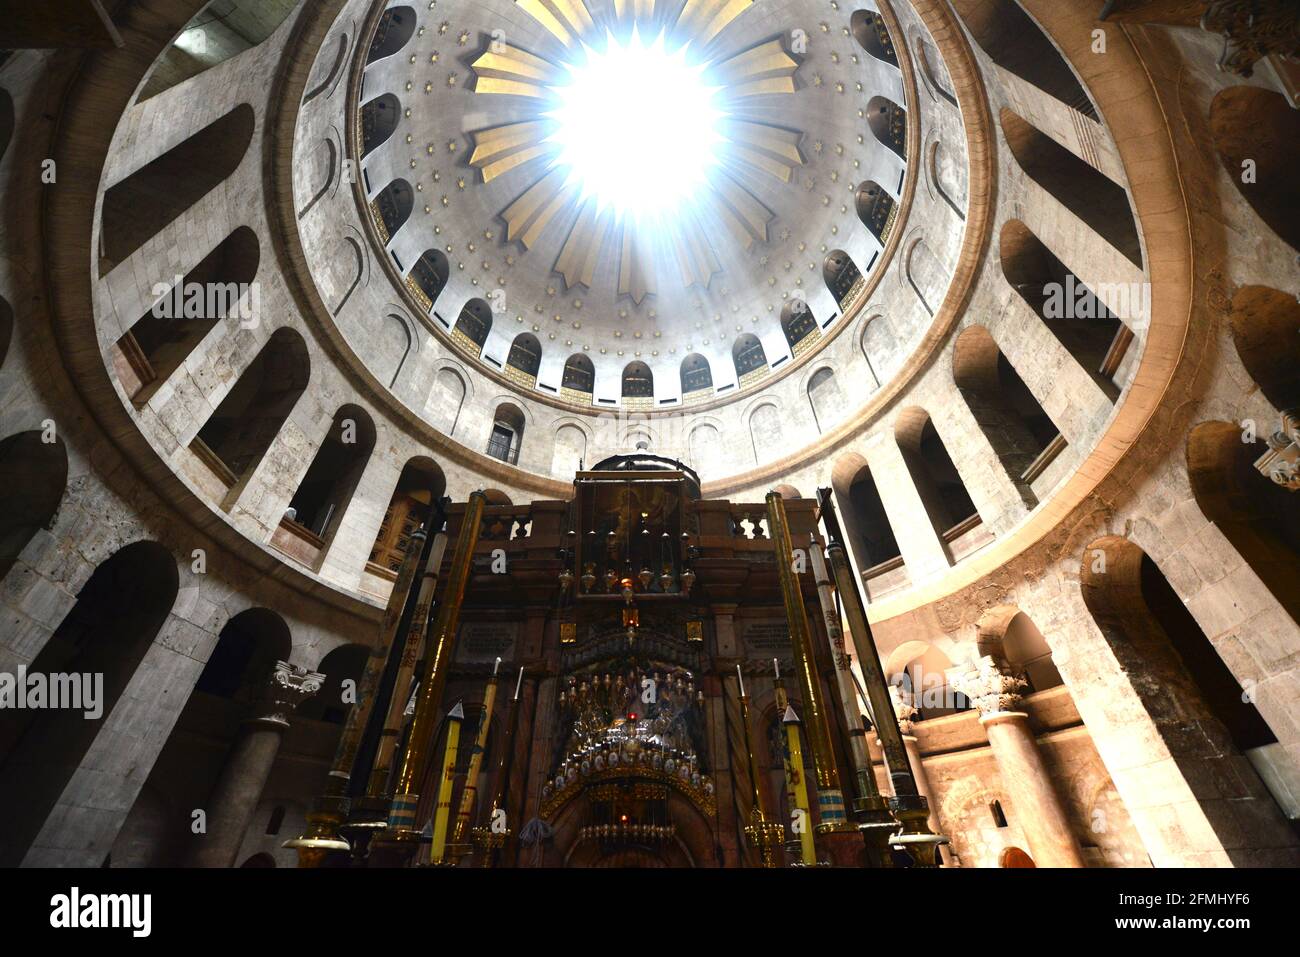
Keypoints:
pixel 1197 705
pixel 750 360
pixel 788 492
pixel 429 277
pixel 704 443
pixel 232 442
pixel 349 252
pixel 1028 653
pixel 420 483
pixel 1257 136
pixel 1265 326
pixel 333 69
pixel 579 379
pixel 392 208
pixel 920 670
pixel 766 433
pixel 843 278
pixel 472 327
pixel 826 398
pixel 317 507
pixel 323 168
pixel 696 377
pixel 1079 320
pixel 867 526
pixel 954 196
pixel 146 202
pixel 876 208
pixel 1092 196
pixel 507 433
pixel 100 644
pixel 159 341
pixel 1013 41
pixel 888 123
pixel 926 275
pixel 6 328
pixel 395 344
pixel 342 669
pixel 379 119
pixel 1260 518
pixel 638 386
pixel 446 400
pixel 244 657
pixel 35 474
pixel 570 452
pixel 943 493
pixel 1022 435
pixel 524 359
pixel 868 28
pixel 878 346
pixel 396 27
pixel 926 58
pixel 800 327
pixel 496 497
pixel 220 31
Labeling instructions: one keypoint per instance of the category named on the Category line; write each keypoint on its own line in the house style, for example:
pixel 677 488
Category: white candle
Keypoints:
pixel 742 681
pixel 777 665
pixel 496 667
pixel 519 682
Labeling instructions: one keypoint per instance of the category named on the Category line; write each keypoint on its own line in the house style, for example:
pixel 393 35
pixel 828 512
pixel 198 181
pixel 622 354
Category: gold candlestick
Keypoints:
pixel 442 812
pixel 807 852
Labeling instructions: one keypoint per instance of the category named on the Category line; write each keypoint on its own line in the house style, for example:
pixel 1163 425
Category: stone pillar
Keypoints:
pixel 1026 785
pixel 906 713
pixel 239 788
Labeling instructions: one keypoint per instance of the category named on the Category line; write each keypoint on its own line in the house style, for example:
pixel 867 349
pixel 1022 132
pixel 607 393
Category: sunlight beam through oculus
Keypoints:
pixel 637 127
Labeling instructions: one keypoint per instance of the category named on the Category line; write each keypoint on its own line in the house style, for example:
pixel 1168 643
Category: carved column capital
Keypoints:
pixel 989 685
pixel 904 710
pixel 1281 463
pixel 289 686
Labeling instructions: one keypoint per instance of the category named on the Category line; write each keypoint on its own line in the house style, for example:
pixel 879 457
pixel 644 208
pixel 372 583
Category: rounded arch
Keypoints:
pixel 747 356
pixel 473 325
pixel 497 497
pixel 447 398
pixel 35 474
pixel 799 326
pixel 379 120
pixel 326 490
pixel 696 374
pixel 638 381
pixel 788 492
pixel 1008 633
pixel 842 277
pixel 703 444
pixel 876 209
pixel 925 274
pixel 926 58
pixel 1265 326
pixel 147 201
pixel 826 398
pixel 249 645
pixel 570 450
pixel 396 27
pixel 420 483
pixel 524 358
pixel 940 486
pixel 108 631
pixel 869 29
pixel 1256 131
pixel 342 669
pixel 766 432
pixel 579 375
pixel 395 203
pixel 430 274
pixel 922 674
pixel 507 435
pixel 954 196
pixel 888 123
pixel 1260 519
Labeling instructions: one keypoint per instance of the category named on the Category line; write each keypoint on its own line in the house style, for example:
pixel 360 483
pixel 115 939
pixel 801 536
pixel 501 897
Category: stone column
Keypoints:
pixel 907 713
pixel 1026 785
pixel 234 800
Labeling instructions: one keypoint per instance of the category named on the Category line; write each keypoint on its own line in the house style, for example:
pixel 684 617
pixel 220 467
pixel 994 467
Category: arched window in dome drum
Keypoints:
pixel 420 483
pixel 524 359
pixel 236 436
pixel 800 326
pixel 379 118
pixel 696 376
pixel 507 435
pixel 876 208
pixel 1022 435
pixel 579 378
pixel 749 359
pixel 826 398
pixel 843 278
pixel 888 122
pixel 868 28
pixel 429 277
pixel 936 479
pixel 316 509
pixel 638 385
pixel 392 208
pixel 873 537
pixel 396 27
pixel 472 328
